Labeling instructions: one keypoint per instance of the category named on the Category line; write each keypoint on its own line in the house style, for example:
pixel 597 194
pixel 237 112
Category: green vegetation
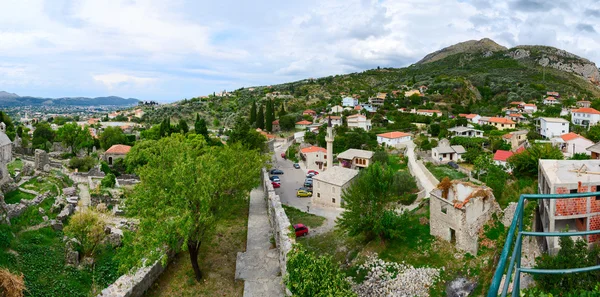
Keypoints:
pixel 111 136
pixel 14 197
pixel 17 164
pixel 525 164
pixel 109 181
pixel 82 164
pixel 441 171
pixel 75 137
pixel 297 216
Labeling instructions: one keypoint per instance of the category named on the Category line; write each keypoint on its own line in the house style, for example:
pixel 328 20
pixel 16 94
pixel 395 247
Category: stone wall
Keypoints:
pixel 280 224
pixel 134 285
pixel 14 210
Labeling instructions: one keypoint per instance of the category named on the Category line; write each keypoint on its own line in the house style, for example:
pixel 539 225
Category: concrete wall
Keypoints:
pixel 280 224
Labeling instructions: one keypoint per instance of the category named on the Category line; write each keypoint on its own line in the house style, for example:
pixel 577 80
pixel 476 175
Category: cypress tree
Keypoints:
pixel 253 112
pixel 269 116
pixel 282 111
pixel 273 110
pixel 183 126
pixel 260 118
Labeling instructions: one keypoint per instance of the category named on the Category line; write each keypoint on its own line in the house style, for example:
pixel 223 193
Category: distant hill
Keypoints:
pixel 486 46
pixel 12 100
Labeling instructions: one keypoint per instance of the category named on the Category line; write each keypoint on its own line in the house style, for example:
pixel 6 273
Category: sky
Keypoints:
pixel 168 50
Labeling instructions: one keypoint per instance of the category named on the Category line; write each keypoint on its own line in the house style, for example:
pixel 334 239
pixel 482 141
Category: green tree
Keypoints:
pixel 108 181
pixel 309 275
pixel 310 137
pixel 282 111
pixel 200 126
pixel 184 190
pixel 525 164
pixel 269 116
pixel 287 122
pixel 260 118
pixel 482 163
pixel 88 228
pixel 43 136
pixel 253 112
pixel 183 126
pixel 434 130
pixel 246 136
pixel 380 156
pixel 111 136
pixel 580 156
pixel 366 200
pixel 593 133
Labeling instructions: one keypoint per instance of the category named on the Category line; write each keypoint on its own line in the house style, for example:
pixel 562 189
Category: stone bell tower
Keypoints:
pixel 329 139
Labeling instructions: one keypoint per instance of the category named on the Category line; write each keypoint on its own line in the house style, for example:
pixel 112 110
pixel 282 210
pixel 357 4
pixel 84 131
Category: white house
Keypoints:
pixel 465 131
pixel 472 117
pixel 585 116
pixel 552 127
pixel 349 101
pixel 529 108
pixel 584 103
pixel 501 157
pixel 572 143
pixel 448 153
pixel 330 185
pixel 335 120
pixel 393 138
pixel 358 121
pixel 551 101
pixel 429 112
pixel 337 109
pixel 302 125
pixel 314 157
pixel 366 106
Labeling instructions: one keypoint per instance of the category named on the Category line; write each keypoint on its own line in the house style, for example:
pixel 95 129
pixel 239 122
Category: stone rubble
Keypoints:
pixel 394 279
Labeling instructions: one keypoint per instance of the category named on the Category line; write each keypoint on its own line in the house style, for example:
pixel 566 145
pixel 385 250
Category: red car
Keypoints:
pixel 313 172
pixel 301 230
pixel 276 184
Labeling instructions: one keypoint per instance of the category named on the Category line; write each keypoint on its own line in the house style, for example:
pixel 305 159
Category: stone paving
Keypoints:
pixel 84 196
pixel 259 265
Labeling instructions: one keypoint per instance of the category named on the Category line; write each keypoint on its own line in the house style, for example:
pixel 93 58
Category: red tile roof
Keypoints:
pixel 520 150
pixel 305 122
pixel 501 120
pixel 570 136
pixel 309 111
pixel 501 155
pixel 515 115
pixel 471 116
pixel 517 103
pixel 550 99
pixel 118 149
pixel 313 149
pixel 586 110
pixel 276 122
pixel 530 105
pixel 357 116
pixel 392 135
pixel 358 107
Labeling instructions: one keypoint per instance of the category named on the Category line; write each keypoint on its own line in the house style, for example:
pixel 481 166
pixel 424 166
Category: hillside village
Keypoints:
pixel 402 182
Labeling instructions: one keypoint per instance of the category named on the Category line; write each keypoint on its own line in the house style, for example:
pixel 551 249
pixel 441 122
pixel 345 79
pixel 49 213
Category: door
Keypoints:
pixel 452 236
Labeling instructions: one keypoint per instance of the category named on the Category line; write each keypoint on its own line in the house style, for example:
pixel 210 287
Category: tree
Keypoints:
pixel 252 112
pixel 200 126
pixel 309 275
pixel 593 133
pixel 183 126
pixel 287 122
pixel 43 136
pixel 482 163
pixel 434 130
pixel 580 156
pixel 184 189
pixel 525 164
pixel 84 139
pixel 108 181
pixel 112 136
pixel 282 111
pixel 260 118
pixel 380 156
pixel 88 228
pixel 269 116
pixel 366 200
pixel 247 136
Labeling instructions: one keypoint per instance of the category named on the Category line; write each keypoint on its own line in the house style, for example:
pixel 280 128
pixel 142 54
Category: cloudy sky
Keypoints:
pixel 168 50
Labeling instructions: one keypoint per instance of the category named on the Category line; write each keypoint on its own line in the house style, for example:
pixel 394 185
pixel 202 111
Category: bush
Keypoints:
pixel 6 236
pixel 104 167
pixel 109 181
pixel 82 164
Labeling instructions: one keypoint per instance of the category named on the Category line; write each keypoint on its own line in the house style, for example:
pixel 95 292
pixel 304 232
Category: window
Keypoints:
pixel 444 209
pixel 332 200
pixel 573 191
pixel 598 190
pixel 318 195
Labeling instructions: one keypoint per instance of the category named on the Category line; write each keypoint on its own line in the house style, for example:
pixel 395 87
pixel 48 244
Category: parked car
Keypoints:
pixel 296 165
pixel 303 193
pixel 308 184
pixel 453 165
pixel 308 179
pixel 301 230
pixel 276 185
pixel 283 155
pixel 313 171
pixel 276 171
pixel 275 178
pixel 305 189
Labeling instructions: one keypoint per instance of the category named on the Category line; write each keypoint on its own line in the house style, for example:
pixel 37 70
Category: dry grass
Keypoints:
pixel 11 285
pixel 217 262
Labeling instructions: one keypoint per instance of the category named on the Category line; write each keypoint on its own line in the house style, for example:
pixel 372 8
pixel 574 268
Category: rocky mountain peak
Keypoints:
pixel 484 45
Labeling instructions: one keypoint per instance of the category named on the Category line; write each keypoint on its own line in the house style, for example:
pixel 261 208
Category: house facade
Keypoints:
pixel 302 125
pixel 572 143
pixel 429 112
pixel 276 127
pixel 501 123
pixel 337 109
pixel 335 120
pixel 349 101
pixel 577 214
pixel 355 159
pixel 551 101
pixel 358 121
pixel 552 127
pixel 584 103
pixel 530 108
pixel 393 138
pixel 117 151
pixel 329 186
pixel 465 132
pixel 515 139
pixel 309 112
pixel 501 158
pixel 314 157
pixel 444 153
pixel 585 116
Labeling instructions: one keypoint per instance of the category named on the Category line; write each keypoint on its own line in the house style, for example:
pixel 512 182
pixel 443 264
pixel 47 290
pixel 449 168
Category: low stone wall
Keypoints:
pixel 14 210
pixel 134 285
pixel 280 224
pixel 32 192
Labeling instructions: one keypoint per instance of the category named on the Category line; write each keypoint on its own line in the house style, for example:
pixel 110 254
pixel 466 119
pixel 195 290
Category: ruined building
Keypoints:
pixel 458 210
pixel 576 214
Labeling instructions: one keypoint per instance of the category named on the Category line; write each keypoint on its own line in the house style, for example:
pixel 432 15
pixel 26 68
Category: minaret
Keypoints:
pixel 329 140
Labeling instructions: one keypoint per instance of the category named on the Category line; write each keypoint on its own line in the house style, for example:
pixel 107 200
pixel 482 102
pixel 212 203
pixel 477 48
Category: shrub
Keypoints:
pixel 108 181
pixel 88 228
pixel 82 164
pixel 6 236
pixel 104 167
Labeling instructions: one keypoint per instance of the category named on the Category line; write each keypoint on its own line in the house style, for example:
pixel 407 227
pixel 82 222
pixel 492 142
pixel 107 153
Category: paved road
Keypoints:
pixel 291 180
pixel 259 265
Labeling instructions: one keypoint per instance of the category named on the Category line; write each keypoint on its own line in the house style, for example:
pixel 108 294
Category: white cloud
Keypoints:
pixel 116 80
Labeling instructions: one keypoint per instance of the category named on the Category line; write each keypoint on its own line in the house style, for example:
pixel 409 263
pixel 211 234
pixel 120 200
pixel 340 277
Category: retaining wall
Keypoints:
pixel 280 224
pixel 134 285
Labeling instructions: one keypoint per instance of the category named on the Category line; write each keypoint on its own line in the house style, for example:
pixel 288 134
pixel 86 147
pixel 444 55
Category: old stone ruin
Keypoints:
pixel 459 210
pixel 42 161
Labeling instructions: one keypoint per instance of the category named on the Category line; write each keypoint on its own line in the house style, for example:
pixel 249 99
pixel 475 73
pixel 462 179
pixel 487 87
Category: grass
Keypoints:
pixel 17 164
pixel 217 259
pixel 442 171
pixel 297 216
pixel 49 183
pixel 14 197
pixel 397 162
pixel 31 216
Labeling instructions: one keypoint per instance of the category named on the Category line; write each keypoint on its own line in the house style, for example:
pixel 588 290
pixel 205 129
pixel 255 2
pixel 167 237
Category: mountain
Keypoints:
pixel 486 46
pixel 12 100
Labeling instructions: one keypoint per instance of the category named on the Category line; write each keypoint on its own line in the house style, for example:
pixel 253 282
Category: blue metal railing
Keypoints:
pixel 515 259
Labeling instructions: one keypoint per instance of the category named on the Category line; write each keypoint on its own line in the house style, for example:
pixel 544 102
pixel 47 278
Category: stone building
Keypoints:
pixel 117 151
pixel 329 185
pixel 458 210
pixel 5 154
pixel 355 158
pixel 314 157
pixel 576 214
